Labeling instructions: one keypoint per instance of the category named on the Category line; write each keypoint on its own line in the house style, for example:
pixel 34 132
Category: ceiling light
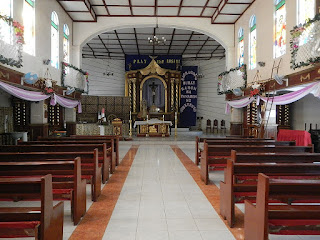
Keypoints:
pixel 154 40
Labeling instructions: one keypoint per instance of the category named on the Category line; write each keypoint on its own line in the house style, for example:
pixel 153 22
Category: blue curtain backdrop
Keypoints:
pixel 135 62
pixel 189 97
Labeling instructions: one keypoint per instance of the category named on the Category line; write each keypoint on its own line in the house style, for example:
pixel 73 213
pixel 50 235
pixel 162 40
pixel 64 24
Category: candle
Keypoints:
pixel 102 113
pixel 163 117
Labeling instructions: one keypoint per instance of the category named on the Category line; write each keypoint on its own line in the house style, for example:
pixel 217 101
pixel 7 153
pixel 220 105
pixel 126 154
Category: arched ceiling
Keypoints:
pixel 134 41
pixel 219 11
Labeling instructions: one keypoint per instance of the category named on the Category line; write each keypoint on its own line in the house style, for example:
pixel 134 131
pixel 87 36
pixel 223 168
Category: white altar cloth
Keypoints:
pixel 151 122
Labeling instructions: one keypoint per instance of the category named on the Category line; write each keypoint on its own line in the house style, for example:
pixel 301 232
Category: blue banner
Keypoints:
pixel 189 96
pixel 135 62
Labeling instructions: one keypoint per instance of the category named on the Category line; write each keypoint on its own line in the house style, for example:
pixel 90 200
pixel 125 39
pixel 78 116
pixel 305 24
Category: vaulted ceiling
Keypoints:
pixel 134 41
pixel 219 11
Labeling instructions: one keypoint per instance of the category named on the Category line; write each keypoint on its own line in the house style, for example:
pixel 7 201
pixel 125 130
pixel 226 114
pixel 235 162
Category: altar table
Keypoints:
pixel 153 128
pixel 302 138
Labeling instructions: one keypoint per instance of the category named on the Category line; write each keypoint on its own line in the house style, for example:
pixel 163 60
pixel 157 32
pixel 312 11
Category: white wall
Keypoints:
pixel 5 99
pixel 102 85
pixel 43 9
pixel 306 110
pixel 264 11
pixel 210 104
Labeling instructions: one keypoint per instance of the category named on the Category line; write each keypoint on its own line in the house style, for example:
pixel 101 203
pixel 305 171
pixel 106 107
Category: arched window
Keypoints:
pixel 280 28
pixel 54 40
pixel 253 43
pixel 29 23
pixel 6 29
pixel 306 10
pixel 240 47
pixel 66 43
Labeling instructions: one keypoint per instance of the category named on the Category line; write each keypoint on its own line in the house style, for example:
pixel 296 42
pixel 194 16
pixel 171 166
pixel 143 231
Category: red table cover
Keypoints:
pixel 302 138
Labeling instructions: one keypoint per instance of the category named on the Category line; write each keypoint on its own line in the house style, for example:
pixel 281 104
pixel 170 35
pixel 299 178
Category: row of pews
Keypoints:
pixel 52 169
pixel 278 182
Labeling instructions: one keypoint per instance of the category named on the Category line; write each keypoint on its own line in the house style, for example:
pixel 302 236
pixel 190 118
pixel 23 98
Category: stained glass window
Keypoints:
pixel 306 10
pixel 253 43
pixel 240 47
pixel 29 26
pixel 65 43
pixel 54 40
pixel 280 28
pixel 5 29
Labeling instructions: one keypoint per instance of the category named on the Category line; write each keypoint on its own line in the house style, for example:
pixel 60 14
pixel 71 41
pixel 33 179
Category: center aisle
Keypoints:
pixel 160 200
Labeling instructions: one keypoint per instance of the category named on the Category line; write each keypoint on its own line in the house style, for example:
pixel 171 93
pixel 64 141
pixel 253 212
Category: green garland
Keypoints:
pixel 242 68
pixel 18 31
pixel 296 32
pixel 64 73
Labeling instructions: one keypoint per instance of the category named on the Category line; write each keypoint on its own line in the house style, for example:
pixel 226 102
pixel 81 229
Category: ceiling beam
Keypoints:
pixel 155 7
pixel 180 5
pixel 130 5
pixel 173 34
pixel 245 10
pixel 91 50
pixel 204 7
pixel 188 42
pixel 218 10
pixel 204 43
pixel 104 45
pixel 115 31
pixel 105 5
pixel 136 37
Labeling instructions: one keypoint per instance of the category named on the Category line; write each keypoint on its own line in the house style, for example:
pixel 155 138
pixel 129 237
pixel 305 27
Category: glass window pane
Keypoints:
pixel 306 10
pixel 29 30
pixel 54 40
pixel 280 29
pixel 240 47
pixel 5 28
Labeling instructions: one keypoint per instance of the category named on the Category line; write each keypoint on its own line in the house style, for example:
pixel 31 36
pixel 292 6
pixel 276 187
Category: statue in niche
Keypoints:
pixel 153 88
pixel 143 113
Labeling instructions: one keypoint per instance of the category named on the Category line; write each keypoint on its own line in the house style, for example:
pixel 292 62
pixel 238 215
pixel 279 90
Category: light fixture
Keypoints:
pixel 154 40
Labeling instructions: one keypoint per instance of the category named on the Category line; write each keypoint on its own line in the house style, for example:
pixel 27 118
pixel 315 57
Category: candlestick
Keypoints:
pixel 163 117
pixel 130 115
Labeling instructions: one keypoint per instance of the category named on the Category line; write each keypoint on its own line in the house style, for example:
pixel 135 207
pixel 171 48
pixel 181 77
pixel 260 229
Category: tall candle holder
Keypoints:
pixel 175 124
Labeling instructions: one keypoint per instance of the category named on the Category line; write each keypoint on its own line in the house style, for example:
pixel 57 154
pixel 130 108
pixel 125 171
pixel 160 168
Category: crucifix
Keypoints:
pixel 153 87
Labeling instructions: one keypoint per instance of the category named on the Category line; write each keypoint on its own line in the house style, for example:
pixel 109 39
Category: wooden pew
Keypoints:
pixel 200 140
pixel 67 182
pixel 111 155
pixel 90 169
pixel 43 223
pixel 217 155
pixel 115 140
pixel 104 160
pixel 262 218
pixel 240 181
pixel 90 137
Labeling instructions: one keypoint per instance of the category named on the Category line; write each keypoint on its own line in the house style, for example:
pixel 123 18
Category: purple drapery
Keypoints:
pixel 65 102
pixel 39 96
pixel 23 94
pixel 288 98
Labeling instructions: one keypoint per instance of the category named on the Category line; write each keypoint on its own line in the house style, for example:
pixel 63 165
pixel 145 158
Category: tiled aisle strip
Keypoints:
pixel 94 223
pixel 211 191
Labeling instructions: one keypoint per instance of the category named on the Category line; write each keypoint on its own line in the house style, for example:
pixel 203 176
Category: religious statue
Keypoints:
pixel 143 113
pixel 153 88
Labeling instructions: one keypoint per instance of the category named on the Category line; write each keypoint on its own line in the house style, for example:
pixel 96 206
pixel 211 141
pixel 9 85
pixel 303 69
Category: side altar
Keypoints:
pixel 153 128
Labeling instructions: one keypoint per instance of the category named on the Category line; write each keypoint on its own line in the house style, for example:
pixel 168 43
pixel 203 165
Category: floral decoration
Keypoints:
pixel 243 70
pixel 254 92
pixel 64 73
pixel 296 32
pixel 19 32
pixel 48 90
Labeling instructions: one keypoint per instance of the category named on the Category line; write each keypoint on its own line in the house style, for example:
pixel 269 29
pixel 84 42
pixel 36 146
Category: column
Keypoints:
pixel 134 95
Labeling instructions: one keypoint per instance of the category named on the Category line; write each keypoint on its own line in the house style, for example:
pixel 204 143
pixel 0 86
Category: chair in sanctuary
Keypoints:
pixel 215 126
pixel 223 127
pixel 208 128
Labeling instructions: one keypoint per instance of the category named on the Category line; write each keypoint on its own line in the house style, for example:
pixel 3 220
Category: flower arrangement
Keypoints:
pixel 64 73
pixel 296 33
pixel 48 90
pixel 254 92
pixel 242 69
pixel 19 32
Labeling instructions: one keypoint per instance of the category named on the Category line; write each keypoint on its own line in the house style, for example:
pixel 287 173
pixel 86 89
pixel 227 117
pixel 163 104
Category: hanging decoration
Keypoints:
pixel 81 78
pixel 235 78
pixel 284 99
pixel 35 96
pixel 305 43
pixel 11 54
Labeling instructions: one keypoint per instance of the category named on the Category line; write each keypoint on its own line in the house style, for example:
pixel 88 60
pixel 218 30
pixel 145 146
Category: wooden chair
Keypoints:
pixel 208 126
pixel 215 126
pixel 223 127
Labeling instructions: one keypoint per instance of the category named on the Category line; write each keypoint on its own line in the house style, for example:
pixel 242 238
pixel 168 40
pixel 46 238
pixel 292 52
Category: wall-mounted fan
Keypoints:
pixel 30 78
pixel 237 91
pixel 278 78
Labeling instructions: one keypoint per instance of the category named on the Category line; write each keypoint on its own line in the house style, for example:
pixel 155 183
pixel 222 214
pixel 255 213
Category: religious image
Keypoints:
pixel 280 30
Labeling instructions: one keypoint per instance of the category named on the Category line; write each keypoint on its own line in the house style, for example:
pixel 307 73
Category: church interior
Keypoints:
pixel 160 119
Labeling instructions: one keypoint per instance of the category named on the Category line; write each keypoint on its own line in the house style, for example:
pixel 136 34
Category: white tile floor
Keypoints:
pixel 160 200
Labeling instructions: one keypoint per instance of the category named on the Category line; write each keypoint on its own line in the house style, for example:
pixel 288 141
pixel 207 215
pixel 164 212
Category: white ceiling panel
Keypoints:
pixel 142 2
pixel 100 10
pixel 190 11
pixel 234 8
pixel 81 16
pixel 194 3
pixel 117 2
pixel 213 3
pixel 226 19
pixel 119 11
pixel 74 6
pixel 143 10
pixel 208 12
pixel 168 3
pixel 166 11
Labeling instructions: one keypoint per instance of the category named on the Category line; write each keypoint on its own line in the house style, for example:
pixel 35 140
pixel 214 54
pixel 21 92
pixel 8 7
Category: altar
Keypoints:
pixel 153 128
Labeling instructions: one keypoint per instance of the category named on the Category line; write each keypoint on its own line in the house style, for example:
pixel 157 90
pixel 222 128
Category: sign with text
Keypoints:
pixel 136 62
pixel 189 96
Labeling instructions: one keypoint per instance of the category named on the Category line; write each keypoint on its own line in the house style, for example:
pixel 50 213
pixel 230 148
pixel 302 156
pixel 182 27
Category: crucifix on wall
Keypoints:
pixel 153 88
